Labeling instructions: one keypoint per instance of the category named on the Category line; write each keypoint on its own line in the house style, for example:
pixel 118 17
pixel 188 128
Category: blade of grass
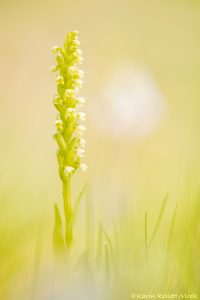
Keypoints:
pixel 116 235
pixel 146 234
pixel 58 239
pixel 99 245
pixel 77 205
pixel 88 222
pixel 110 244
pixel 158 220
pixel 107 262
pixel 112 254
pixel 171 229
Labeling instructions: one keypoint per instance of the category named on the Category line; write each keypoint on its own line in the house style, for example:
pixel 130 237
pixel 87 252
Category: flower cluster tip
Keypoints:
pixel 69 129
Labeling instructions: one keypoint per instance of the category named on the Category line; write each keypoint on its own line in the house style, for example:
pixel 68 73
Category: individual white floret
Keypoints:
pixel 68 170
pixel 83 167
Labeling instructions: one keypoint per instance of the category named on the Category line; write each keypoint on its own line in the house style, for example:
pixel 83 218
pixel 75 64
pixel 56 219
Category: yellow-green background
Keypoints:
pixel 161 34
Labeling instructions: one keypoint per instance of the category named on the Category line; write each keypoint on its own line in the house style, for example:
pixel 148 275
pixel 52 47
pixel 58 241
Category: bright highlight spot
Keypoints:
pixel 131 104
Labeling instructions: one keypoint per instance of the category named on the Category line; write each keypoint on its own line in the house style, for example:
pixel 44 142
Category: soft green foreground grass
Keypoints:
pixel 142 251
pixel 136 254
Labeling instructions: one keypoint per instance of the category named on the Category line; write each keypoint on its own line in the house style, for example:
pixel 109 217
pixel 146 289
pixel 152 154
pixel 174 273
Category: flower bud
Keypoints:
pixel 82 142
pixel 55 49
pixel 60 80
pixel 53 68
pixel 78 82
pixel 83 167
pixel 81 101
pixel 80 152
pixel 59 124
pixel 81 116
pixel 81 128
pixel 68 170
pixel 69 93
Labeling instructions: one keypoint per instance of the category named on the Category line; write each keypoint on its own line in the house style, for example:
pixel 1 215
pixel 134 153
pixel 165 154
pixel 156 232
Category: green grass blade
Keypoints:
pixel 107 262
pixel 110 244
pixel 158 220
pixel 99 245
pixel 89 240
pixel 113 256
pixel 171 229
pixel 116 236
pixel 58 239
pixel 146 233
pixel 77 205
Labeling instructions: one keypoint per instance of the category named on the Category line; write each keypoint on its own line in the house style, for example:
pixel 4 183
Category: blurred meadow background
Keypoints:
pixel 142 70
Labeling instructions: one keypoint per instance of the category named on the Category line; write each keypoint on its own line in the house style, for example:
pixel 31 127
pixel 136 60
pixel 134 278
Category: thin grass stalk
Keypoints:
pixel 107 263
pixel 156 227
pixel 99 245
pixel 146 235
pixel 171 229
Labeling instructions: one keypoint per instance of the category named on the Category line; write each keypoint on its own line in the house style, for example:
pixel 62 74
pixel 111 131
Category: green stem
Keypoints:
pixel 67 212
